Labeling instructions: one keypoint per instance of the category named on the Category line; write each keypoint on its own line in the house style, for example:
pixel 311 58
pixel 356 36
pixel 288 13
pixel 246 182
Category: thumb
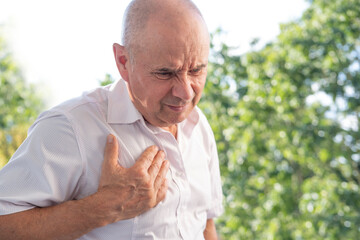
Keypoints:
pixel 111 152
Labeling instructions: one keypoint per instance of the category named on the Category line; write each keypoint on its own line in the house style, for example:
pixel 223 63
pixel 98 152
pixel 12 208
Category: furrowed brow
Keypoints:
pixel 201 66
pixel 164 70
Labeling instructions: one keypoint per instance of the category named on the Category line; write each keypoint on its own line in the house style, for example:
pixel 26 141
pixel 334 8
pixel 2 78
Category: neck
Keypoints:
pixel 172 129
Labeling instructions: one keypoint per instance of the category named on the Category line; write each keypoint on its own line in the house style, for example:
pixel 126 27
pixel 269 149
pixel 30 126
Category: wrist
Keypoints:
pixel 99 209
pixel 91 209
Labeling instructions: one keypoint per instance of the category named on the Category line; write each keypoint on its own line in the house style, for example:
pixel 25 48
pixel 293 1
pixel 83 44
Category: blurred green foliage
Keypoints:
pixel 286 121
pixel 107 80
pixel 19 104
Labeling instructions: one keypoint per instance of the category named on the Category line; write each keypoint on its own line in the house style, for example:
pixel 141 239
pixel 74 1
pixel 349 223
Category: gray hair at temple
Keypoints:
pixel 138 13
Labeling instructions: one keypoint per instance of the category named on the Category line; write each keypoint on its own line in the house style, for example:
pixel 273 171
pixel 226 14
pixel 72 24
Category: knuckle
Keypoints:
pixel 149 196
pixel 148 185
pixel 156 167
pixel 141 171
pixel 159 181
pixel 149 205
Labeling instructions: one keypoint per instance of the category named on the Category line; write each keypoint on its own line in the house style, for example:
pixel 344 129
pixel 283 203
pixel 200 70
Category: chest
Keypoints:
pixel 189 157
pixel 189 192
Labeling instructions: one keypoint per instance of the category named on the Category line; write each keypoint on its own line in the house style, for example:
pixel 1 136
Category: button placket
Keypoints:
pixel 168 143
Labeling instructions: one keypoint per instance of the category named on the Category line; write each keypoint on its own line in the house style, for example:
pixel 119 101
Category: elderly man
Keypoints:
pixel 159 177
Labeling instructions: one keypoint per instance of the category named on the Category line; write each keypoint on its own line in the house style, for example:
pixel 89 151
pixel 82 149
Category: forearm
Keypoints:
pixel 210 230
pixel 69 220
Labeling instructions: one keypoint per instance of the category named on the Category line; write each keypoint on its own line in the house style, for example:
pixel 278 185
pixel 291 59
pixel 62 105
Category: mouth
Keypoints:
pixel 176 108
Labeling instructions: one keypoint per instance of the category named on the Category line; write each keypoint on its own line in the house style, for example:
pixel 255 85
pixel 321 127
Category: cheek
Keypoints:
pixel 145 89
pixel 158 92
pixel 199 85
pixel 138 91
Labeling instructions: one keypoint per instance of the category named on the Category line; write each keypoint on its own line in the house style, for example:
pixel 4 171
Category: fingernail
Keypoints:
pixel 110 138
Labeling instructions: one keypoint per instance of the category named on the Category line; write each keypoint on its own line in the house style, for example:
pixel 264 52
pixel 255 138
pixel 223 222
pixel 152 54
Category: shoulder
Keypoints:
pixel 91 101
pixel 76 110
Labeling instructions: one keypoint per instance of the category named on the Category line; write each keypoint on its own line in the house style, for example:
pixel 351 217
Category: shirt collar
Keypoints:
pixel 119 99
pixel 187 126
pixel 120 108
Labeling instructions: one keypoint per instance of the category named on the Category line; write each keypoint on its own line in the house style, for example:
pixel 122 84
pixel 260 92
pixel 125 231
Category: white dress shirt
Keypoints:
pixel 62 156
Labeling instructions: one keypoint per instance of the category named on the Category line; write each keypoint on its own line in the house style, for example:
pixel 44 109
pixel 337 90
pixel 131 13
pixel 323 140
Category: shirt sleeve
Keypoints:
pixel 216 208
pixel 216 190
pixel 45 170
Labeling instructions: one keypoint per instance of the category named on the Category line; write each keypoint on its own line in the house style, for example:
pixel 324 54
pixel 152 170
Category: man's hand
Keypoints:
pixel 128 192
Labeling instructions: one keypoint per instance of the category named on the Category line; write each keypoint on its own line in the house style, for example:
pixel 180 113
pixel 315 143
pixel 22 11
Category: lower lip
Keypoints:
pixel 176 109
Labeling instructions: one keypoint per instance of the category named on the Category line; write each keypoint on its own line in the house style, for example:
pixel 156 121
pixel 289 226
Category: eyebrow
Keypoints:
pixel 200 66
pixel 165 69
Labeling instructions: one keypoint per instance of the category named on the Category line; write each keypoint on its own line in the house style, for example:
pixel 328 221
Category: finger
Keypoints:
pixel 147 157
pixel 156 164
pixel 111 152
pixel 161 194
pixel 161 176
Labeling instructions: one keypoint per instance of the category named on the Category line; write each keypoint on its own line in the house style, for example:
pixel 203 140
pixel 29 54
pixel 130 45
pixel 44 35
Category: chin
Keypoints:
pixel 169 118
pixel 177 119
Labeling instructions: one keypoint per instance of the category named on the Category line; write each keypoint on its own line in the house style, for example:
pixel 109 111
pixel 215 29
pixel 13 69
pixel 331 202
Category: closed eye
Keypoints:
pixel 196 71
pixel 163 75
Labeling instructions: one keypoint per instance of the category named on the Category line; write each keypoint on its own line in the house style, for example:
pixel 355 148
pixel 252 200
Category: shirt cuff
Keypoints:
pixel 9 208
pixel 215 211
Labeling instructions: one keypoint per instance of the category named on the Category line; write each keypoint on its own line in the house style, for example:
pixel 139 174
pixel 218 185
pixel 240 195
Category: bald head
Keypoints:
pixel 168 12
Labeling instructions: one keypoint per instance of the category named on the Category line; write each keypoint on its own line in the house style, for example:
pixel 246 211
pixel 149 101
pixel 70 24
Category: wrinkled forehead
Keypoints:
pixel 179 46
pixel 187 33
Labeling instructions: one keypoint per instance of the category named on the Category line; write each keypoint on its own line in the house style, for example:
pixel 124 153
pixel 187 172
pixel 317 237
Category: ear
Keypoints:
pixel 121 59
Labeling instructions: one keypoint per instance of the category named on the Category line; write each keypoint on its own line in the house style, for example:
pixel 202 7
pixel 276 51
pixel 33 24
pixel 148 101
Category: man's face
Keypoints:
pixel 168 74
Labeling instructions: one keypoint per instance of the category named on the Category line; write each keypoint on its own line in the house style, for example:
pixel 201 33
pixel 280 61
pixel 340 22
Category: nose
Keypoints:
pixel 182 88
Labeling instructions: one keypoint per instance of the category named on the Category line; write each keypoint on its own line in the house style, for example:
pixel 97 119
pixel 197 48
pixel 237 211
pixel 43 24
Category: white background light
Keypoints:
pixel 66 46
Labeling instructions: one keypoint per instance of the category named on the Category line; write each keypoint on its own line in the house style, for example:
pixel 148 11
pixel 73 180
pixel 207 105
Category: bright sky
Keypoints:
pixel 66 46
